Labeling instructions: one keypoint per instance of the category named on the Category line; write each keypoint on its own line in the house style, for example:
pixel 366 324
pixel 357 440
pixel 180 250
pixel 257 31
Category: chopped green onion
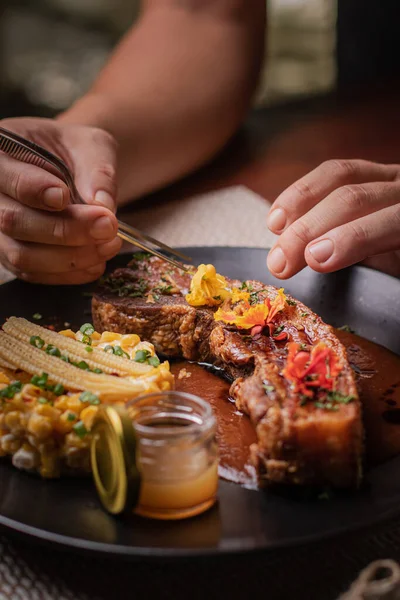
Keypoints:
pixel 80 429
pixel 40 380
pixel 87 329
pixel 58 389
pixel 36 341
pixel 42 400
pixel 86 339
pixel 71 416
pixel 119 352
pixel 37 317
pixel 97 371
pixel 64 358
pixel 89 349
pixel 154 361
pixel 109 349
pixel 10 391
pixel 82 365
pixel 141 356
pixel 89 397
pixel 53 350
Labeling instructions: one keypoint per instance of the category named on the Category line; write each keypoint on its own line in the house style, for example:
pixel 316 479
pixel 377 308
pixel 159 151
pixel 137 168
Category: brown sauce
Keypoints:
pixel 235 433
pixel 378 378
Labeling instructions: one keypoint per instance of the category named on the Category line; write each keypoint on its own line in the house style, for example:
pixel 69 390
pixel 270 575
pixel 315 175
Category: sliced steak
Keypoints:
pixel 299 441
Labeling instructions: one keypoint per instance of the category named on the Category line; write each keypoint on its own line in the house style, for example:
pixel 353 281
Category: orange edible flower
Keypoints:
pixel 307 371
pixel 278 304
pixel 258 315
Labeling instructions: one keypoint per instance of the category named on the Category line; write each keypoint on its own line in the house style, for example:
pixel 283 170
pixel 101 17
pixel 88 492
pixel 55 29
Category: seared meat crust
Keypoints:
pixel 297 444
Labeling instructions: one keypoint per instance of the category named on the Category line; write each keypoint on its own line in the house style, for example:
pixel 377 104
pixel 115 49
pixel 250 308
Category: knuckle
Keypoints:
pixel 9 219
pixel 358 233
pixel 344 169
pixel 303 189
pixel 100 136
pixel 106 170
pixel 353 196
pixel 16 256
pixel 300 230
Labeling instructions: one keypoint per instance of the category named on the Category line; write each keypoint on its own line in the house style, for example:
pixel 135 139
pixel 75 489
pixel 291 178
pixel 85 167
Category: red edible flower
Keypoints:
pixel 308 371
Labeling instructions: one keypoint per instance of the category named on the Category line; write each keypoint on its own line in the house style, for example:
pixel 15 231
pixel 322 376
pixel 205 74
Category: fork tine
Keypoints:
pixel 135 242
pixel 136 233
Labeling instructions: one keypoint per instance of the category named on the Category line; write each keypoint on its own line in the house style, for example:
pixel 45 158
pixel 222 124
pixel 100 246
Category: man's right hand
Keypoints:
pixel 43 237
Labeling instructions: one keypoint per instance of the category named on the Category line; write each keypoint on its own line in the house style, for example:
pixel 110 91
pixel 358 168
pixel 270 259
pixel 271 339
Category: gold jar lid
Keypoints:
pixel 113 459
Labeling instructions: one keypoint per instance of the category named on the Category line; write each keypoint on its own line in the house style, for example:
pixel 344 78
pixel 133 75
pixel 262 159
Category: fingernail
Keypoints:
pixel 105 199
pixel 53 197
pixel 277 260
pixel 277 219
pixel 110 248
pixel 97 269
pixel 102 229
pixel 321 251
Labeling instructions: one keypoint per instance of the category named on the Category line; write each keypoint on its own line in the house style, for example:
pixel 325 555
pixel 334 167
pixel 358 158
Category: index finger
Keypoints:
pixel 31 185
pixel 305 193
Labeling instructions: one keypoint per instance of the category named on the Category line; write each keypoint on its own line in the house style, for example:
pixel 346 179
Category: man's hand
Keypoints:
pixel 342 213
pixel 43 237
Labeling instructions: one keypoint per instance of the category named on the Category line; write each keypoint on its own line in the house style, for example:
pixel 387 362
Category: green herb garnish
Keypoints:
pixel 290 302
pixel 71 416
pixel 154 361
pixel 141 356
pixel 80 429
pixel 37 317
pixel 88 348
pixel 10 391
pixel 53 351
pixel 304 314
pixel 119 352
pixel 89 397
pixel 58 389
pixel 87 329
pixel 82 365
pixel 36 341
pixel 40 380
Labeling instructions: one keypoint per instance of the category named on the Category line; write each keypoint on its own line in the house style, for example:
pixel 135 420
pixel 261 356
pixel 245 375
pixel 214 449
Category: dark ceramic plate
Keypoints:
pixel 66 512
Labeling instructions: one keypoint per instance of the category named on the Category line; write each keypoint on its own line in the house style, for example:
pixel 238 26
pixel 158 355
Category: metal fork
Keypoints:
pixel 28 152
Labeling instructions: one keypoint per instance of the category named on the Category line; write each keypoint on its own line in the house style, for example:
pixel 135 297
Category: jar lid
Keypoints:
pixel 113 459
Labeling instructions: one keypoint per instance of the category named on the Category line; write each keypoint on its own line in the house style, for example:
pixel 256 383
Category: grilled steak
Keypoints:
pixel 307 433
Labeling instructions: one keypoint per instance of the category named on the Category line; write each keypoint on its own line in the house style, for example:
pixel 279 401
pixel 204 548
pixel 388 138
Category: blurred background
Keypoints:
pixel 51 50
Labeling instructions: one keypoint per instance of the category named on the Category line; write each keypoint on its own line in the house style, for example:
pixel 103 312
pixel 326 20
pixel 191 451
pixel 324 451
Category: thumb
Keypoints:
pixel 94 155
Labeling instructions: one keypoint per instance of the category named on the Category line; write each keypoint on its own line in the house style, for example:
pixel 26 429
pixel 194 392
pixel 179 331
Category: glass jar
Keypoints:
pixel 166 444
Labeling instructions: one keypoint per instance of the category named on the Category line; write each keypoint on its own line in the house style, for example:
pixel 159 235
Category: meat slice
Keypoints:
pixel 300 440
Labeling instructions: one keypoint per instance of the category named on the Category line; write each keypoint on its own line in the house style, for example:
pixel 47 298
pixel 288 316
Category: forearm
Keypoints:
pixel 176 88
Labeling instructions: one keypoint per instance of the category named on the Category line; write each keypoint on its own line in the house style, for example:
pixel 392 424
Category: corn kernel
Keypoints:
pixel 10 443
pixel 40 426
pixel 45 410
pixel 67 333
pixel 64 424
pixel 87 416
pixel 12 421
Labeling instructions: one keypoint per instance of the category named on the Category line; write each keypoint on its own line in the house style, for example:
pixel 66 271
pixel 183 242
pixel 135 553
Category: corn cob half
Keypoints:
pixel 22 355
pixel 109 363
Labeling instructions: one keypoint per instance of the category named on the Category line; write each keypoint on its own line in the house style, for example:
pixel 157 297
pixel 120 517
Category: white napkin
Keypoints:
pixel 233 216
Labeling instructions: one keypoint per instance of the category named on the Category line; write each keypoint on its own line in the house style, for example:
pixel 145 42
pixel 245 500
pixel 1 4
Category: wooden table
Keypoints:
pixel 274 147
